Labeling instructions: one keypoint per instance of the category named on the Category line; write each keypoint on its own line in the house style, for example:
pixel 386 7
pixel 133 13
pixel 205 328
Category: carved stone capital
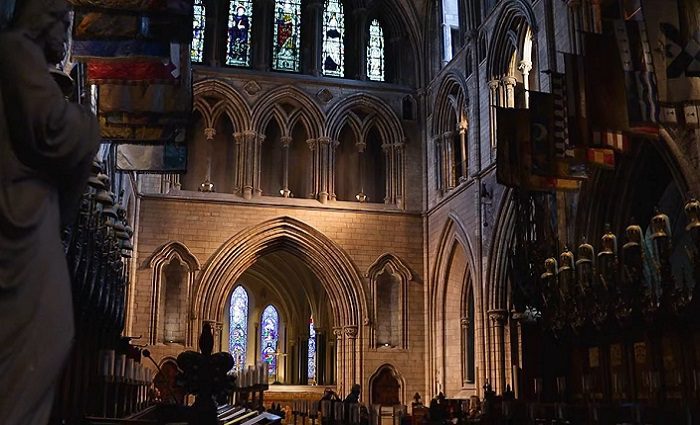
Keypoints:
pixel 351 331
pixel 494 84
pixel 209 133
pixel 525 67
pixel 498 317
pixel 509 81
pixel 286 141
pixel 464 322
pixel 338 332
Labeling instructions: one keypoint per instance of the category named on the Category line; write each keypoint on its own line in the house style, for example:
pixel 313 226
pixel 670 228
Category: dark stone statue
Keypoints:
pixel 46 148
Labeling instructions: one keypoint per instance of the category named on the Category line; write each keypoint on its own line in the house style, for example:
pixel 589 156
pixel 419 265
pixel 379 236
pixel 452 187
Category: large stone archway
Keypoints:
pixel 338 275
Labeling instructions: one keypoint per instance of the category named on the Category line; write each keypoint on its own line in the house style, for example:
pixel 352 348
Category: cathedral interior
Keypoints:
pixel 481 211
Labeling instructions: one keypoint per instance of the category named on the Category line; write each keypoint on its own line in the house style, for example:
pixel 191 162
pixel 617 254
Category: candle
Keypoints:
pixel 120 366
pixel 107 363
pixel 129 371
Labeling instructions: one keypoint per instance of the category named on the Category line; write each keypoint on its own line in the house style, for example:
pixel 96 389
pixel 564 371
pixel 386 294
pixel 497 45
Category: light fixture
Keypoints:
pixel 361 197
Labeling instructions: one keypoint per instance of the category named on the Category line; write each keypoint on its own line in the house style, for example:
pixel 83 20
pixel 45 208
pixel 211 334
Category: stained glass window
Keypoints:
pixel 198 23
pixel 238 328
pixel 375 52
pixel 269 337
pixel 240 20
pixel 333 31
pixel 312 351
pixel 286 38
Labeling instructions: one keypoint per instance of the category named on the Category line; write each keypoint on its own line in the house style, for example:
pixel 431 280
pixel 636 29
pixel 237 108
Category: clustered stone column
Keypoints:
pixel 323 167
pixel 498 319
pixel 394 161
pixel 248 160
pixel 509 91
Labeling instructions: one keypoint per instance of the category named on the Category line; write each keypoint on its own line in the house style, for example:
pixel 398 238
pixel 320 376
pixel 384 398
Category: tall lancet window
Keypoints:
pixel 333 31
pixel 312 351
pixel 238 328
pixel 375 52
pixel 240 21
pixel 269 337
pixel 198 25
pixel 286 38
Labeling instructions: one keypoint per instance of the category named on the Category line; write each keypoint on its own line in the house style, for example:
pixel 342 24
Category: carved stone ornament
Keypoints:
pixel 252 88
pixel 324 95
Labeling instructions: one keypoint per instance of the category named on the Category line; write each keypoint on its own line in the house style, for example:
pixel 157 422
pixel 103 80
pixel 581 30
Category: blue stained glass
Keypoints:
pixel 238 328
pixel 240 20
pixel 269 336
pixel 198 24
pixel 312 351
pixel 286 38
pixel 333 32
pixel 375 52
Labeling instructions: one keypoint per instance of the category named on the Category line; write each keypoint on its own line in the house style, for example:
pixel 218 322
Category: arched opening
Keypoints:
pixel 165 382
pixel 299 266
pixel 300 170
pixel 385 387
pixel 174 302
pixel 272 161
pixel 269 321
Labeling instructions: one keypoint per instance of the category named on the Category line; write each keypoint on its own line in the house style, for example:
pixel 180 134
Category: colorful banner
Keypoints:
pixel 153 158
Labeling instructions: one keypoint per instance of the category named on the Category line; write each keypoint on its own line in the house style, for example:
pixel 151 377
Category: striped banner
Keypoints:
pixel 601 158
pixel 616 140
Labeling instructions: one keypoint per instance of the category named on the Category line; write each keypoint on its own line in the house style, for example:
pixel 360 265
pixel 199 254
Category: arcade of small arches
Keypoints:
pixel 285 145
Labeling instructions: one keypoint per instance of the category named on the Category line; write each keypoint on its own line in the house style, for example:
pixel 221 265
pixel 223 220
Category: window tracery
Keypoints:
pixel 312 351
pixel 238 333
pixel 240 20
pixel 198 27
pixel 269 337
pixel 286 35
pixel 333 33
pixel 375 52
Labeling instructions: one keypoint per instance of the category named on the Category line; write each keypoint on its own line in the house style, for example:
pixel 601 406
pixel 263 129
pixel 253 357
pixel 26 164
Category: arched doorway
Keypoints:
pixel 385 387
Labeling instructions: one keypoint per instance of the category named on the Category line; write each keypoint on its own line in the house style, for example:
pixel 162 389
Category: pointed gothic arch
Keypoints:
pixel 171 253
pixel 214 98
pixel 332 266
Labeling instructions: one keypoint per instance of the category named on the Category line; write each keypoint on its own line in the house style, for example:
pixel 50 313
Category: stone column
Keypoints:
pixel 216 328
pixel 315 13
pixel 494 85
pixel 509 86
pixel 361 34
pixel 353 375
pixel 339 360
pixel 574 16
pixel 286 141
pixel 463 151
pixel 449 160
pixel 361 196
pixel 399 150
pixel 248 163
pixel 323 153
pixel 207 185
pixel 525 67
pixel 464 326
pixel 499 318
pixel 303 360
pixel 320 357
pixel 439 165
pixel 262 24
